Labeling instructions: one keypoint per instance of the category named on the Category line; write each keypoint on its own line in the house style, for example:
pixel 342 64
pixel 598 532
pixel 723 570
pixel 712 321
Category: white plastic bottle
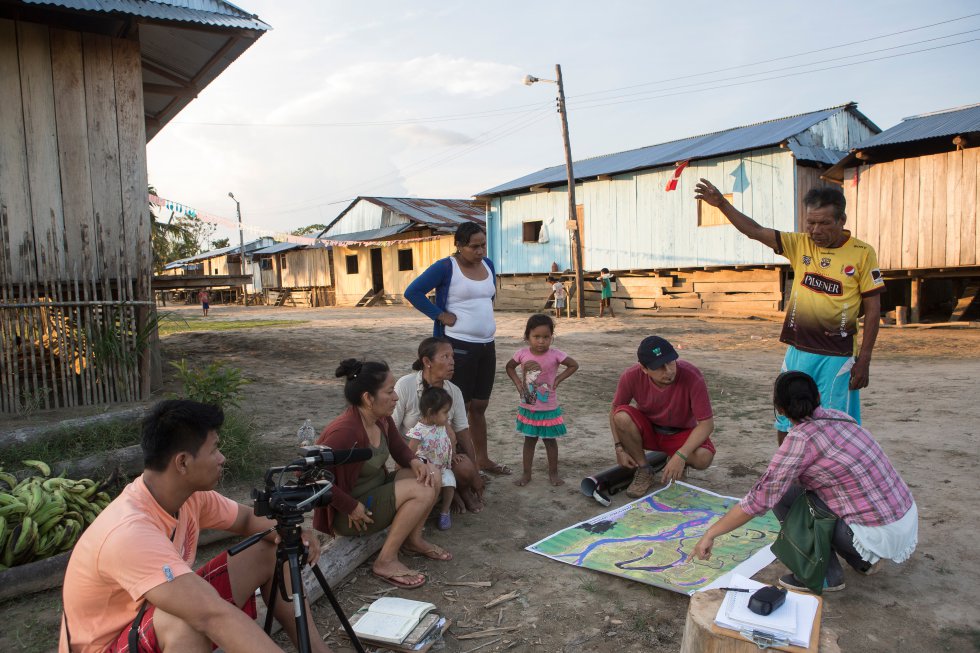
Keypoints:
pixel 306 434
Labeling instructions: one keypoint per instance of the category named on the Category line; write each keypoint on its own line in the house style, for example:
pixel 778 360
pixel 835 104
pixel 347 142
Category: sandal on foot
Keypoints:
pixel 395 579
pixel 498 470
pixel 434 553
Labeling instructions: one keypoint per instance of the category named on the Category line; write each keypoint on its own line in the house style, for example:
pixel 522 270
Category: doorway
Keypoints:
pixel 377 272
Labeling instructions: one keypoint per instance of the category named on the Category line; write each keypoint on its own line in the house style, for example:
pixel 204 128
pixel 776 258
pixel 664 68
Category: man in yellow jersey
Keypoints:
pixel 834 276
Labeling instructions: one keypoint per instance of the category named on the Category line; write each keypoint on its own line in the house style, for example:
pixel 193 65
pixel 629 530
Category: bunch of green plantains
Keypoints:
pixel 41 517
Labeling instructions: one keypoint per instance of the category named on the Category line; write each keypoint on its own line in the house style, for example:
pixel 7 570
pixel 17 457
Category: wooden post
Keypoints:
pixel 915 299
pixel 572 214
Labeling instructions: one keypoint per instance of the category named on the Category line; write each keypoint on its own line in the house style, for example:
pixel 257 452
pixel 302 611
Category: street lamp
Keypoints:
pixel 241 243
pixel 572 223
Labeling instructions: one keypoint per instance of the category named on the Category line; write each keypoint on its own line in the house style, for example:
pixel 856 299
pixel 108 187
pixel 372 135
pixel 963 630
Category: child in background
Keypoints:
pixel 434 439
pixel 539 415
pixel 605 278
pixel 560 295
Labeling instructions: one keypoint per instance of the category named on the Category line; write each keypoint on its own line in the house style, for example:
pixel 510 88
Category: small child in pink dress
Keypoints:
pixel 538 414
pixel 434 439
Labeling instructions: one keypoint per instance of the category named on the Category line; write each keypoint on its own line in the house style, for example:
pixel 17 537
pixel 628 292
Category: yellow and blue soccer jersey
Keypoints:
pixel 828 286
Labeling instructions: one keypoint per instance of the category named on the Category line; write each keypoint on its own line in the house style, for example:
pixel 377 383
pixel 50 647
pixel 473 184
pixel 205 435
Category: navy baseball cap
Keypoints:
pixel 655 352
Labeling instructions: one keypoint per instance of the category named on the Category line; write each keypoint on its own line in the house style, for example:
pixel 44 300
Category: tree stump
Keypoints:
pixel 700 637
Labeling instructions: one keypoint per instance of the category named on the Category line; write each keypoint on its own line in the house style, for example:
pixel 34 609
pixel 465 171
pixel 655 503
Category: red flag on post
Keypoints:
pixel 672 184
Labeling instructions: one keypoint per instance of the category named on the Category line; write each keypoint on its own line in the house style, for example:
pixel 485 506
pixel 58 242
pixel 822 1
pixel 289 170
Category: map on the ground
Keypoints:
pixel 651 539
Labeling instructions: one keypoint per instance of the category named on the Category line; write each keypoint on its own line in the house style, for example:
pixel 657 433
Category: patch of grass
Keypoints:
pixel 589 585
pixel 240 447
pixel 74 443
pixel 170 324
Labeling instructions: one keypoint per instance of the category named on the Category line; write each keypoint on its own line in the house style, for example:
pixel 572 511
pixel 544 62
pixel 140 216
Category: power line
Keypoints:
pixel 522 108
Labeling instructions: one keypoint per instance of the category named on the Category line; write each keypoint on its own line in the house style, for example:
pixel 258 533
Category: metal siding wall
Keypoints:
pixel 517 256
pixel 631 222
pixel 363 216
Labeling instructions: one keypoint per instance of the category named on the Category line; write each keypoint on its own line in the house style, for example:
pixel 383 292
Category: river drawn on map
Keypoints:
pixel 651 539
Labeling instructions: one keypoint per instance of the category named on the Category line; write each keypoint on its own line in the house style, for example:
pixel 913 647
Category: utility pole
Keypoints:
pixel 573 226
pixel 241 245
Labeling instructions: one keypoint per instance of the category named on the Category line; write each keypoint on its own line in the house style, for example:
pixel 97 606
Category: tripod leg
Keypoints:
pixel 299 605
pixel 336 608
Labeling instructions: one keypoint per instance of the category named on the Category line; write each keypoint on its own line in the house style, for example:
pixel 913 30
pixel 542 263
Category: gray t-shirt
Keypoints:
pixel 409 389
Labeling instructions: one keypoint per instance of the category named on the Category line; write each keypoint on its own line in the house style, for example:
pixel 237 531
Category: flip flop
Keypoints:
pixel 435 553
pixel 498 470
pixel 393 579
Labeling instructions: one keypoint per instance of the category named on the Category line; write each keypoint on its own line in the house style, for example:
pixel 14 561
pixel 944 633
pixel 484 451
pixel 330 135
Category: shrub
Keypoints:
pixel 215 384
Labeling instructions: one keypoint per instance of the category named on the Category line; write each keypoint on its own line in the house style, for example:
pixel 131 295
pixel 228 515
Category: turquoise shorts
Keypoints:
pixel 832 375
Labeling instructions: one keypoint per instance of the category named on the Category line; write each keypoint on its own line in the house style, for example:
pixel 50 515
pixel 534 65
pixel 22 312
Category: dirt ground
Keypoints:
pixel 922 406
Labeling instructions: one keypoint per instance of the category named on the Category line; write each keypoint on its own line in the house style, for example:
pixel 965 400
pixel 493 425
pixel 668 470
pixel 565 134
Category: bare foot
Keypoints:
pixel 555 479
pixel 472 501
pixel 459 506
pixel 523 480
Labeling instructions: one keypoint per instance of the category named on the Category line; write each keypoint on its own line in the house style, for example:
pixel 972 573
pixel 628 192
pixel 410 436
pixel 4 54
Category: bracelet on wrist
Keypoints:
pixel 680 455
pixel 618 445
pixel 422 459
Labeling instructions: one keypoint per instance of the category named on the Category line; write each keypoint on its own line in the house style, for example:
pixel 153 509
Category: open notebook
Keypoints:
pixel 391 619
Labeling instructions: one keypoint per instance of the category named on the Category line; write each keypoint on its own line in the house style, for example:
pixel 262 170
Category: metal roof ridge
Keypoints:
pixel 720 131
pixel 939 112
pixel 428 199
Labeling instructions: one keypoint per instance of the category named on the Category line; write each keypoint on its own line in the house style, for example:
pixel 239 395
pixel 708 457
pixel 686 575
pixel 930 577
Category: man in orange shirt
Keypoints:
pixel 129 586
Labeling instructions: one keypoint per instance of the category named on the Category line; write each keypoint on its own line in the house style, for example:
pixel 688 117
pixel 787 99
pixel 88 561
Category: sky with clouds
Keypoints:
pixel 425 99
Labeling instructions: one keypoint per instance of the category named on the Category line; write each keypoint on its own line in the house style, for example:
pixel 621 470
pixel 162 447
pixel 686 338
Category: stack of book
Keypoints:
pixel 399 624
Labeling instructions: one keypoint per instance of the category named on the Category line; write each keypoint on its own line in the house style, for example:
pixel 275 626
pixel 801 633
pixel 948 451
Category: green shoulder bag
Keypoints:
pixel 803 543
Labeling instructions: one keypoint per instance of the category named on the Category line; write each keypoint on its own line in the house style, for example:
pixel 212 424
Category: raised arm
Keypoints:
pixel 706 192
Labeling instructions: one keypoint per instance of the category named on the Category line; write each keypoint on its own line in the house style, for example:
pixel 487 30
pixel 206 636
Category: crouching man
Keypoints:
pixel 661 404
pixel 129 586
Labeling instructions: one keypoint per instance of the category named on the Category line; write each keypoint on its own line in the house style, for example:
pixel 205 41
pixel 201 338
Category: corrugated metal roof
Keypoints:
pixel 205 12
pixel 371 234
pixel 433 212
pixel 951 122
pixel 250 246
pixel 277 248
pixel 813 153
pixel 737 139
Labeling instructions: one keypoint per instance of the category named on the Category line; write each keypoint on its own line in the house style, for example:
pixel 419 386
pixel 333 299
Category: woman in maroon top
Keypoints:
pixel 367 497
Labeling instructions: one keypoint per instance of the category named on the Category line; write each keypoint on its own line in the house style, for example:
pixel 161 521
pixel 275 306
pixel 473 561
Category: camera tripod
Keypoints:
pixel 290 550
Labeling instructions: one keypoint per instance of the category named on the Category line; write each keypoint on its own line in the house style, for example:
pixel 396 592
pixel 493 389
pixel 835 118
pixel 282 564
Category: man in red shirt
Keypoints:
pixel 661 404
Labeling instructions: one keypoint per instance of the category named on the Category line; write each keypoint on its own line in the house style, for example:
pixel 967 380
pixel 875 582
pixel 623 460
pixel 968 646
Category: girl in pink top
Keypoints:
pixel 538 414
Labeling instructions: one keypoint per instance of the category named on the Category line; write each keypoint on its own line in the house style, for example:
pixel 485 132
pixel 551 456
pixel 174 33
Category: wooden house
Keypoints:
pixel 670 251
pixel 913 192
pixel 83 86
pixel 287 272
pixel 380 244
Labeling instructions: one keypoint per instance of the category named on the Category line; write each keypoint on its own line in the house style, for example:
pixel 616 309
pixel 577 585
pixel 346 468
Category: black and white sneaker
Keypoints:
pixel 791 582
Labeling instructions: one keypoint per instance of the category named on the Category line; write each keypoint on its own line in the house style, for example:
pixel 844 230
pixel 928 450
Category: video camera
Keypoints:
pixel 303 484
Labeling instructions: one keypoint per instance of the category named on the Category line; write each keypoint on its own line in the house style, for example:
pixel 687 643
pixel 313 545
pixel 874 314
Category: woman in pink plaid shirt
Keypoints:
pixel 845 471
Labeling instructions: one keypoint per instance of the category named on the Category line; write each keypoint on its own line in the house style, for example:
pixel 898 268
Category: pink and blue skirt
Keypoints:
pixel 540 424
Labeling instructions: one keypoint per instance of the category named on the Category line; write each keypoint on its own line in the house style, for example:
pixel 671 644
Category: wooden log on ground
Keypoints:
pixel 338 558
pixel 700 637
pixel 40 433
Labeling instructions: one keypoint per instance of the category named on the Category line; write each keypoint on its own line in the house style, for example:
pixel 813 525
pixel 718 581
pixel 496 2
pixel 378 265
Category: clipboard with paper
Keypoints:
pixel 794 627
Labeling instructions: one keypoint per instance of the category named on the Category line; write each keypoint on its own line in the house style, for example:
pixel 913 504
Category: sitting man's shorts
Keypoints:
pixel 659 439
pixel 216 574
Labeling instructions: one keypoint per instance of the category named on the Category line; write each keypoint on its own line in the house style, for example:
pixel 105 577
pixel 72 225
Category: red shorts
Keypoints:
pixel 653 441
pixel 216 574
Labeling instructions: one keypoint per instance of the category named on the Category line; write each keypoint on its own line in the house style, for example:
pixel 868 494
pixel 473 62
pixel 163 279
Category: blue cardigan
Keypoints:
pixel 437 276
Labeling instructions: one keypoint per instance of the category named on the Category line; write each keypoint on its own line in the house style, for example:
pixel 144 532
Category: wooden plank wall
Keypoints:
pixel 72 155
pixel 722 292
pixel 307 268
pixel 75 264
pixel 919 212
